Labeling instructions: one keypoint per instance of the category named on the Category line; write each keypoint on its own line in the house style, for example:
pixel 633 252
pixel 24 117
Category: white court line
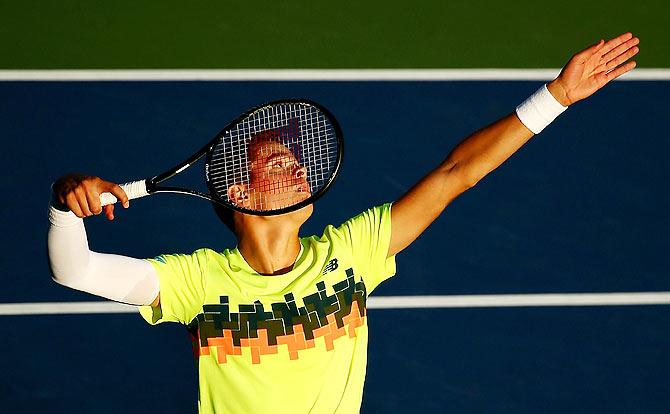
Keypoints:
pixel 387 302
pixel 541 299
pixel 304 74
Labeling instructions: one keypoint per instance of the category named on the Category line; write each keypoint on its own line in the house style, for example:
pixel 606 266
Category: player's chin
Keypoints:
pixel 293 199
pixel 303 195
pixel 299 196
pixel 305 209
pixel 302 214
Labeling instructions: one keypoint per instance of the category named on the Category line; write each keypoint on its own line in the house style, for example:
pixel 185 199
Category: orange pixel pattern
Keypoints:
pixel 223 346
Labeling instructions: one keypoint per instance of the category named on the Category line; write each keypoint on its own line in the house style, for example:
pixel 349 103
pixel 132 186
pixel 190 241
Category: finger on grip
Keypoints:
pixel 135 189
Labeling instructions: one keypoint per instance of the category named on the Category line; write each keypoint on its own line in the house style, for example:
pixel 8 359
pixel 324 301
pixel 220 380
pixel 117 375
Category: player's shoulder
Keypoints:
pixel 206 254
pixel 200 255
pixel 373 214
pixel 344 230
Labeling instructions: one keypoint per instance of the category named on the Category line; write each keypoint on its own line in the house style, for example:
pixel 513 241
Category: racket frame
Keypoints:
pixel 153 187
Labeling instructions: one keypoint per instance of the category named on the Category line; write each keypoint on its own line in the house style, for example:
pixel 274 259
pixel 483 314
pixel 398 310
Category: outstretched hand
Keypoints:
pixel 592 68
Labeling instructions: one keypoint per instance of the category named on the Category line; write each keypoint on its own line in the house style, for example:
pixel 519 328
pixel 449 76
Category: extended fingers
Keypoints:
pixel 622 50
pixel 620 71
pixel 621 58
pixel 614 43
pixel 618 56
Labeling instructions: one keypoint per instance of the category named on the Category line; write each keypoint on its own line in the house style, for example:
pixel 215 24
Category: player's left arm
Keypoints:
pixel 486 149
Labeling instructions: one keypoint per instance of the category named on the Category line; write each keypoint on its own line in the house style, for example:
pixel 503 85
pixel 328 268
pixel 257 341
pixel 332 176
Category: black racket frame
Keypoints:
pixel 153 186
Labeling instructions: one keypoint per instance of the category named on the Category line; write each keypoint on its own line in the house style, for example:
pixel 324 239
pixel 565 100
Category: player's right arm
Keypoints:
pixel 73 264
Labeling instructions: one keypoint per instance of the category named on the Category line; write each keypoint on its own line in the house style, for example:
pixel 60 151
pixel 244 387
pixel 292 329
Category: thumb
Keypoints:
pixel 117 191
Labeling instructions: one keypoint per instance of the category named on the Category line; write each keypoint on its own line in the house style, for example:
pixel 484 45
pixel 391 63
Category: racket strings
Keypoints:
pixel 274 158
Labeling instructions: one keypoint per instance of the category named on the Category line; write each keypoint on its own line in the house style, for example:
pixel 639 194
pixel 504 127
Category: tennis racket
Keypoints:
pixel 273 159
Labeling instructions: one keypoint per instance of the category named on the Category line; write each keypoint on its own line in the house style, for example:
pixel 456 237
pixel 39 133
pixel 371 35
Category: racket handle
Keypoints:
pixel 135 189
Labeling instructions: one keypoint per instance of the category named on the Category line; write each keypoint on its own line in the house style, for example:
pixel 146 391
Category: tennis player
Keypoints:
pixel 279 322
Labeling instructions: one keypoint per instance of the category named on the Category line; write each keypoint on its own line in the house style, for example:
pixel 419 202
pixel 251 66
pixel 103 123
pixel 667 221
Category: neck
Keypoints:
pixel 269 246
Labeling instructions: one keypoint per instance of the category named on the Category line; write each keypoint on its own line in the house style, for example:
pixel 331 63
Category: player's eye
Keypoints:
pixel 281 162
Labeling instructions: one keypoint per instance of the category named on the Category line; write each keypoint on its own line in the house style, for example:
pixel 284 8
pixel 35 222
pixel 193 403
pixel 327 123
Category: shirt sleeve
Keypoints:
pixel 182 288
pixel 369 236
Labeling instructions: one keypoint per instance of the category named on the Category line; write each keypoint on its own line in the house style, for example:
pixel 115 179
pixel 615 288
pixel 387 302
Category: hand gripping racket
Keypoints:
pixel 273 159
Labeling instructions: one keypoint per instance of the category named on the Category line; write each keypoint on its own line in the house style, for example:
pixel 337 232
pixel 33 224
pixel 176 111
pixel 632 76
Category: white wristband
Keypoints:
pixel 539 110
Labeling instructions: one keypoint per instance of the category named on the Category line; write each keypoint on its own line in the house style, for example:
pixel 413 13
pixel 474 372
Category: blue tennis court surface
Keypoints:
pixel 582 208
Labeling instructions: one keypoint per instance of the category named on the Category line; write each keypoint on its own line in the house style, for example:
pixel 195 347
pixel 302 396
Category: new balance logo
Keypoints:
pixel 332 265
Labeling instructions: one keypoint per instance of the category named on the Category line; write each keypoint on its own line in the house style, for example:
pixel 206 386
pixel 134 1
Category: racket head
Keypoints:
pixel 275 158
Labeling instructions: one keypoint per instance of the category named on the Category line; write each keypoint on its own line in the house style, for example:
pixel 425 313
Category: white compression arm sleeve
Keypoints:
pixel 119 278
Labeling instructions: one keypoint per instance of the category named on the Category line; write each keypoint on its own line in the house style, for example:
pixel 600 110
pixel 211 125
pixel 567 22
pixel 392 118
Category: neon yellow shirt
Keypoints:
pixel 293 343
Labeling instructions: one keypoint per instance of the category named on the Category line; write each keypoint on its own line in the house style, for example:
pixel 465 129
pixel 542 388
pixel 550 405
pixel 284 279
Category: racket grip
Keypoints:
pixel 134 189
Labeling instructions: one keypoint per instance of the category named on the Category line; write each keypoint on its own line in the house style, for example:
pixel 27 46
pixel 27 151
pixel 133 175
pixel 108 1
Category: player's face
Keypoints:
pixel 276 178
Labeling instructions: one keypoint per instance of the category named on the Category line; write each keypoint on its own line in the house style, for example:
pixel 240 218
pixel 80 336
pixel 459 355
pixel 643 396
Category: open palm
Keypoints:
pixel 592 68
